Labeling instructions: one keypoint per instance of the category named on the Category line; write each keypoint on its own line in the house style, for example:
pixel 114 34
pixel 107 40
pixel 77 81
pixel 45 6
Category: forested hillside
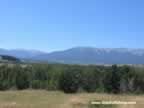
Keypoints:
pixel 7 58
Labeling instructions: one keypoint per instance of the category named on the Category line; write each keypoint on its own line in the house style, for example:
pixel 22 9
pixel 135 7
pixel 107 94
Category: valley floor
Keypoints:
pixel 56 99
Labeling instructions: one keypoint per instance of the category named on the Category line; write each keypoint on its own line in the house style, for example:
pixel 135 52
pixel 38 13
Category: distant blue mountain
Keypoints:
pixel 83 55
pixel 21 53
pixel 88 55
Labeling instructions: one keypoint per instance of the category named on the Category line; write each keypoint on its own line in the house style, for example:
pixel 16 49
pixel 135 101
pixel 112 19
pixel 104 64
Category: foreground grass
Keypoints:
pixel 56 99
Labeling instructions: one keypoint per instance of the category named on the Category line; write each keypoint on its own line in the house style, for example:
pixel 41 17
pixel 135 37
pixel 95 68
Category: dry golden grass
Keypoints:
pixel 56 99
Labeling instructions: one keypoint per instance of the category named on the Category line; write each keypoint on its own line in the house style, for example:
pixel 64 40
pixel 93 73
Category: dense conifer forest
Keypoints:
pixel 72 78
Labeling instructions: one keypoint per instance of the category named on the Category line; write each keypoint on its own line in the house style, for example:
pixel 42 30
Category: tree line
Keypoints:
pixel 73 78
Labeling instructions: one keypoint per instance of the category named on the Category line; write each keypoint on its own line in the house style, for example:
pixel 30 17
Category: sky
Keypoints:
pixel 50 25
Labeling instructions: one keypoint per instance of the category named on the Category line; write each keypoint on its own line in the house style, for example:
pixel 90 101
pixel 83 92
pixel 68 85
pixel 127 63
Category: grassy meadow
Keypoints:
pixel 56 99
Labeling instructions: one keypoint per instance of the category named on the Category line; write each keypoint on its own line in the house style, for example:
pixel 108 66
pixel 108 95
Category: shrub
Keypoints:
pixel 36 84
pixel 52 85
pixel 4 85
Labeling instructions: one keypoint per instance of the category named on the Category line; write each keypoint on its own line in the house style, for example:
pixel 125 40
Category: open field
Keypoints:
pixel 47 99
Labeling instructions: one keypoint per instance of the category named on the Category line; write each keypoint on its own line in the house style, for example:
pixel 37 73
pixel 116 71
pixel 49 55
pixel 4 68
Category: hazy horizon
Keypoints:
pixel 39 50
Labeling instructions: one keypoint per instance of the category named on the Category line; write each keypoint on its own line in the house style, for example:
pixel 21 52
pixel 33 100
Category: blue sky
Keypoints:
pixel 50 25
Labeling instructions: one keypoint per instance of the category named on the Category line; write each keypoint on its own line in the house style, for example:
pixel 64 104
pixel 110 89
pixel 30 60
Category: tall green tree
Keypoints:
pixel 112 80
pixel 22 78
pixel 70 80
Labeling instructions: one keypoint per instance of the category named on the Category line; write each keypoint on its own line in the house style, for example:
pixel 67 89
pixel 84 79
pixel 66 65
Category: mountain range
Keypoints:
pixel 21 53
pixel 82 55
